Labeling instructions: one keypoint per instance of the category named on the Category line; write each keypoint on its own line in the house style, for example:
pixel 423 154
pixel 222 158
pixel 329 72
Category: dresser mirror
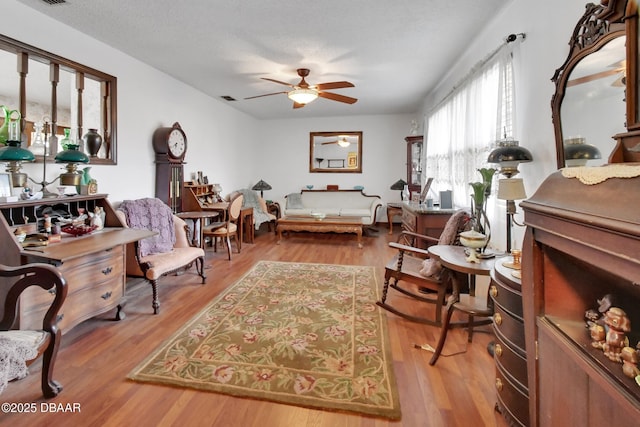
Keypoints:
pixel 335 152
pixel 596 86
pixel 46 88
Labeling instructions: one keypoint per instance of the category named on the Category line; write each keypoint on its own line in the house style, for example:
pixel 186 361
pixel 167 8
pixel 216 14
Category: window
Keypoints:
pixel 463 128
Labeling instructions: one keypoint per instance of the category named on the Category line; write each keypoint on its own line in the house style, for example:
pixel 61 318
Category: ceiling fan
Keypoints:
pixel 613 69
pixel 304 93
pixel 341 141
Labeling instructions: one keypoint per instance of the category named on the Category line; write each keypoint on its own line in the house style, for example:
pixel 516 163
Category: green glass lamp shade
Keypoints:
pixel 71 155
pixel 14 153
pixel 398 185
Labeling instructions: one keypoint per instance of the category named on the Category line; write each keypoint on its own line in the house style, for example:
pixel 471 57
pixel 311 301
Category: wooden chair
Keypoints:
pixel 413 266
pixel 153 266
pixel 468 303
pixel 229 227
pixel 43 342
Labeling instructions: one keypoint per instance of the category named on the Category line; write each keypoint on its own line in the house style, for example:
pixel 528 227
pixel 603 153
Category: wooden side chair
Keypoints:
pixel 228 228
pixel 413 266
pixel 171 252
pixel 14 344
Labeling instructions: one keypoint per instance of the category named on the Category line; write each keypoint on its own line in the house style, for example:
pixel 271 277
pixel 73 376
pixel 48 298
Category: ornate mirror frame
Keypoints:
pixel 599 25
pixel 335 152
pixel 104 103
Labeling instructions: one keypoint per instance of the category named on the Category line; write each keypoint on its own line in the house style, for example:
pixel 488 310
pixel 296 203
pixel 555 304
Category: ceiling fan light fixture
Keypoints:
pixel 303 95
pixel 343 142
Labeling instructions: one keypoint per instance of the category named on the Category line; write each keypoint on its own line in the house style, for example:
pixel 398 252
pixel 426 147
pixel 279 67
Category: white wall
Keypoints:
pixel 283 150
pixel 548 25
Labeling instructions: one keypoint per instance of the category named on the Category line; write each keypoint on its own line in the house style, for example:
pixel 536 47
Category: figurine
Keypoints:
pixel 630 358
pixel 97 218
pixel 618 325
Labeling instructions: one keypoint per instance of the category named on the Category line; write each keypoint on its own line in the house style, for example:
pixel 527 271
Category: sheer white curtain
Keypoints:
pixel 463 129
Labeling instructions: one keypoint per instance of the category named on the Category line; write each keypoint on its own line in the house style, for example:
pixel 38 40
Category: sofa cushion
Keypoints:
pixel 355 212
pixel 294 201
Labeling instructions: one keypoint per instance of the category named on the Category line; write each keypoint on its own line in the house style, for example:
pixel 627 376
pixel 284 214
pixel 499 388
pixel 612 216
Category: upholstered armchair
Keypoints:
pixel 261 213
pixel 170 252
pixel 20 348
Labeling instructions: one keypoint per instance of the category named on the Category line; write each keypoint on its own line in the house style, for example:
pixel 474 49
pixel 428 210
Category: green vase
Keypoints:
pixel 66 141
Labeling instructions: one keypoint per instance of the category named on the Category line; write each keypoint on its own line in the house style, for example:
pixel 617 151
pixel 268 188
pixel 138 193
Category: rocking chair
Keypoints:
pixel 412 265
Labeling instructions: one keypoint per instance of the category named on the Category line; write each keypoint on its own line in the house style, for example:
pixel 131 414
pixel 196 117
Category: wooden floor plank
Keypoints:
pixel 96 356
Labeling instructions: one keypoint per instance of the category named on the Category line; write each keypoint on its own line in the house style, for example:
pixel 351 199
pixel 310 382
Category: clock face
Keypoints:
pixel 177 144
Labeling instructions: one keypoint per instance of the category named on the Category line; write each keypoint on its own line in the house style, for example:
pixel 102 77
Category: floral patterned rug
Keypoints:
pixel 300 334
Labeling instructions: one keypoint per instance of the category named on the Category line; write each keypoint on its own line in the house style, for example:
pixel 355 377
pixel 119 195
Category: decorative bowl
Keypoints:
pixel 318 215
pixel 78 230
pixel 473 239
pixel 309 187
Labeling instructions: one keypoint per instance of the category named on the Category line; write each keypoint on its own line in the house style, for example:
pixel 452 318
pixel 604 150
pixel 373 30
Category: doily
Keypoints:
pixel 591 175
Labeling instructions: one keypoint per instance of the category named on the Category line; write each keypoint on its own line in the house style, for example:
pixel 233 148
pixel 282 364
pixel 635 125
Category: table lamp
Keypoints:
pixel 261 186
pixel 508 154
pixel 71 156
pixel 511 189
pixel 399 185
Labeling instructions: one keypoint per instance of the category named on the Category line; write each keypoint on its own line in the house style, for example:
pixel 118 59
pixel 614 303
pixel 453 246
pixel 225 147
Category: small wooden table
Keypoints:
pixel 393 209
pixel 335 224
pixel 197 217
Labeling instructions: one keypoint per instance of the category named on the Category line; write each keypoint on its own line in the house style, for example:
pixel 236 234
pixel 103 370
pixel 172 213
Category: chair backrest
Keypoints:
pixel 235 206
pixel 457 223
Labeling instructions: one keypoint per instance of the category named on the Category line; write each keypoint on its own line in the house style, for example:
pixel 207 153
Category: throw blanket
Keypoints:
pixel 13 357
pixel 151 214
pixel 252 200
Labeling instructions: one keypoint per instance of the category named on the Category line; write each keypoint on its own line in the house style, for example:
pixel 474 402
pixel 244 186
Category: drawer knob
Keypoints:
pixel 106 295
pixel 498 384
pixel 497 350
pixel 107 270
pixel 493 291
pixel 497 318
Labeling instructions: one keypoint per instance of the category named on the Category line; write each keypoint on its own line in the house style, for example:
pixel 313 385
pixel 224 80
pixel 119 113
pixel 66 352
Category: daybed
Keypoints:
pixel 352 203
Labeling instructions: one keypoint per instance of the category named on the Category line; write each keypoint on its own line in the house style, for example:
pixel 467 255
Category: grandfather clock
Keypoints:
pixel 170 146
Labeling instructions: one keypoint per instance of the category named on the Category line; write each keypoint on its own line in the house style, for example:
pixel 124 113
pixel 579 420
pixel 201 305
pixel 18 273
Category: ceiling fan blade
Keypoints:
pixel 296 105
pixel 333 85
pixel 330 142
pixel 586 79
pixel 266 94
pixel 277 81
pixel 336 97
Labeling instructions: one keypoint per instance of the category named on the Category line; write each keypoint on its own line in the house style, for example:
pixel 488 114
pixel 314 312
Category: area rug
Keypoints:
pixel 294 333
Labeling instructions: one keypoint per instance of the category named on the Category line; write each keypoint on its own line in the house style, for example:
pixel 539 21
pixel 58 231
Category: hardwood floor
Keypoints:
pixel 96 356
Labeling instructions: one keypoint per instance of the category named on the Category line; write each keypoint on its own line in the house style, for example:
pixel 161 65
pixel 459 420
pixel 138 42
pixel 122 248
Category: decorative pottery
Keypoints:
pixel 473 240
pixel 66 142
pixel 92 142
pixel 8 119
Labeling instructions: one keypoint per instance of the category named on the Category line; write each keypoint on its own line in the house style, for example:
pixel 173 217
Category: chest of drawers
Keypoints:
pixel 509 352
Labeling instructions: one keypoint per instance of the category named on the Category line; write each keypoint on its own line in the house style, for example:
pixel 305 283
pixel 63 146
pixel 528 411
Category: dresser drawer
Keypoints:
pixel 513 403
pixel 408 221
pixel 78 273
pixel 507 298
pixel 78 306
pixel 511 362
pixel 96 266
pixel 509 328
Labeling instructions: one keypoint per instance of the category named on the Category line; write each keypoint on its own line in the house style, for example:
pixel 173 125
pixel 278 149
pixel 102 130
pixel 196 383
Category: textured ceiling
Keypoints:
pixel 392 51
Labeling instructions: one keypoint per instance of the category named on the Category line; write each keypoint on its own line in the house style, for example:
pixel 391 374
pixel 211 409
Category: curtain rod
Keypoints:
pixel 507 40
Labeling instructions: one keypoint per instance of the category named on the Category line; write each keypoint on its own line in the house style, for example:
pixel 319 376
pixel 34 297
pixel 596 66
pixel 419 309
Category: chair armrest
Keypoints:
pixel 39 274
pixel 407 248
pixel 405 235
